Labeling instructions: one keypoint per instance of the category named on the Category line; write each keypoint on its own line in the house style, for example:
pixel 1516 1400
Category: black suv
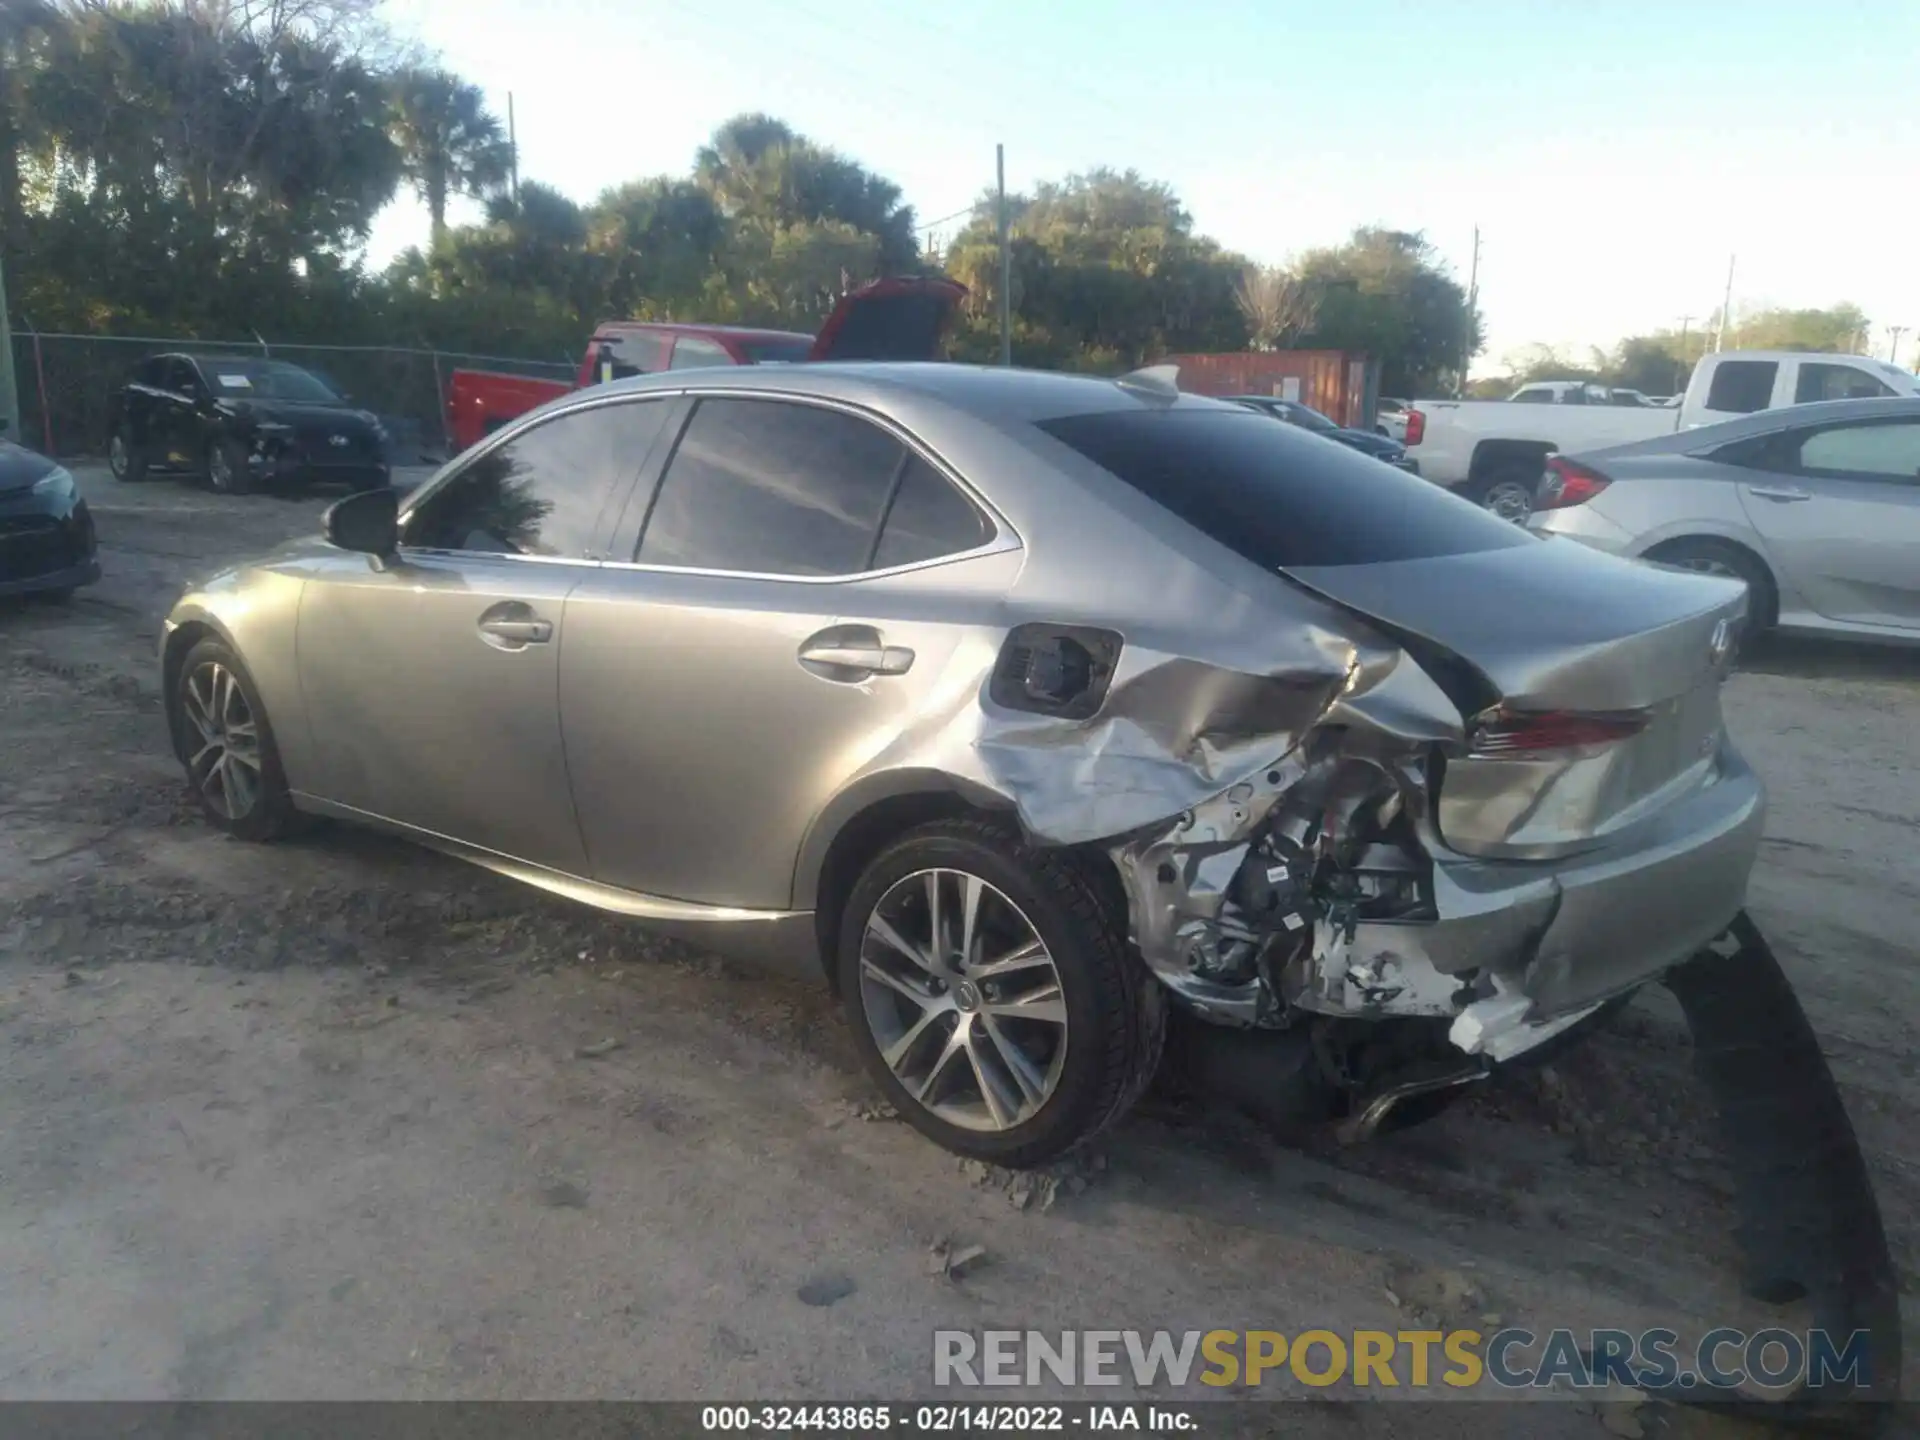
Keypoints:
pixel 243 421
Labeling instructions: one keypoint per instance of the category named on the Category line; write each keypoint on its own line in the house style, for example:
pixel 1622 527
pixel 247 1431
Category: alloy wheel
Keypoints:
pixel 963 1000
pixel 1510 500
pixel 224 764
pixel 117 457
pixel 220 469
pixel 1706 565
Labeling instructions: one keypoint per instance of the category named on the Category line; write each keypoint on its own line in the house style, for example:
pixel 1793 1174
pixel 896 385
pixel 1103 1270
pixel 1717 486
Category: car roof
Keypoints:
pixel 677 327
pixel 1817 356
pixel 1770 422
pixel 992 392
pixel 224 355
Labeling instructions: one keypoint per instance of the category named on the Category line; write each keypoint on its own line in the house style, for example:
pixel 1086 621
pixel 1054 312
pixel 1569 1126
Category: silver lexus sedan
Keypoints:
pixel 1022 709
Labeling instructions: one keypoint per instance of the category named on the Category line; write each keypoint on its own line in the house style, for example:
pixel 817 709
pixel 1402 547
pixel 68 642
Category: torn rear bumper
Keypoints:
pixel 1573 933
pixel 1510 952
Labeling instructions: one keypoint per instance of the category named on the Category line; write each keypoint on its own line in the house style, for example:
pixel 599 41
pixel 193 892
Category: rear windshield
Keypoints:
pixel 1277 495
pixel 775 352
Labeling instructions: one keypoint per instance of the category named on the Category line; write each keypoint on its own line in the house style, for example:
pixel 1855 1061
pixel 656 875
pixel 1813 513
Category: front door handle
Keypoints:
pixel 1784 494
pixel 853 652
pixel 513 626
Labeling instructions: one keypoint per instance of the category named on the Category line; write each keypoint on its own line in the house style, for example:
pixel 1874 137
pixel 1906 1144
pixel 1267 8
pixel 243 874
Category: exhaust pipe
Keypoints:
pixel 1365 1123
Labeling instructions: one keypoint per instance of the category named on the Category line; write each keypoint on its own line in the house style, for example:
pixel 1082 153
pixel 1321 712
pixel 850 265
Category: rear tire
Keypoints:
pixel 221 734
pixel 227 467
pixel 126 461
pixel 1723 557
pixel 1508 492
pixel 1022 1025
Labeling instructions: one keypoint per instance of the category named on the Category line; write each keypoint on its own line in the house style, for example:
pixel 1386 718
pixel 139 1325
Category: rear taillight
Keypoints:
pixel 1416 427
pixel 1568 483
pixel 1502 734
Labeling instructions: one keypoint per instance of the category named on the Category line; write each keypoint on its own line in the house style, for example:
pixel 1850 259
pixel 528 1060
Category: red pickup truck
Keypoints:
pixel 898 318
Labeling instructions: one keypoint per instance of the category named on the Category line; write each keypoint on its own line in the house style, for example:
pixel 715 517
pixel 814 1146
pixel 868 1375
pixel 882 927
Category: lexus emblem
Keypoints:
pixel 339 443
pixel 1721 646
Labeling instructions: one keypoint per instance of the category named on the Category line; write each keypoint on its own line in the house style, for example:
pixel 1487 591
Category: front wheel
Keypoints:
pixel 227 467
pixel 221 732
pixel 992 994
pixel 125 460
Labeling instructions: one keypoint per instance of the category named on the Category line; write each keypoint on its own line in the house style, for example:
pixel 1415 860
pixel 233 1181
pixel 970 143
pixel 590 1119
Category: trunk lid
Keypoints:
pixel 1559 629
pixel 898 318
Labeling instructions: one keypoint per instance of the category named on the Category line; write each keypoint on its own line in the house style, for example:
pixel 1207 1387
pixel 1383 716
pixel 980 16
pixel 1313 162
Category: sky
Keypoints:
pixel 1615 155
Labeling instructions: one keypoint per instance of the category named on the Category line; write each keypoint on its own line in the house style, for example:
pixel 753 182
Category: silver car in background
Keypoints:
pixel 1816 507
pixel 1024 709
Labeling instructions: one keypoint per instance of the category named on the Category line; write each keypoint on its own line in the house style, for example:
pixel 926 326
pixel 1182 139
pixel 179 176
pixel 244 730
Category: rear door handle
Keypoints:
pixel 853 652
pixel 1784 494
pixel 512 625
pixel 527 632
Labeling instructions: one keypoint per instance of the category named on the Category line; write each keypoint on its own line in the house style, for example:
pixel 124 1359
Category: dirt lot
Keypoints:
pixel 338 1118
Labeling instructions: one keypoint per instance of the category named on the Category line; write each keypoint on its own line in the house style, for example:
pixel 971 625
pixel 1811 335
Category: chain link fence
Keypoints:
pixel 69 383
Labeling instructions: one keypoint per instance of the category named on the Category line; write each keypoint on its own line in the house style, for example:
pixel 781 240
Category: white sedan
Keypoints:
pixel 1816 507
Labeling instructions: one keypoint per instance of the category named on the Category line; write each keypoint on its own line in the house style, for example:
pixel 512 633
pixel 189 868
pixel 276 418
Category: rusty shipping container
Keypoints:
pixel 1340 386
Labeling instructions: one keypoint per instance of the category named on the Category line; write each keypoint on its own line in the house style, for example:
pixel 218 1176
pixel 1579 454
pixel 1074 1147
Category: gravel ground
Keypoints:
pixel 344 1118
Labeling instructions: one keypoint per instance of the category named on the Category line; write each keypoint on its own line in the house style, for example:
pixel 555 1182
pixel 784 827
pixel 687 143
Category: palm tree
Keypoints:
pixel 450 144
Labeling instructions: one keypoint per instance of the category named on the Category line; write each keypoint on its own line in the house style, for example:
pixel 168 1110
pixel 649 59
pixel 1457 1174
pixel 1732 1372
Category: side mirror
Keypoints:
pixel 368 523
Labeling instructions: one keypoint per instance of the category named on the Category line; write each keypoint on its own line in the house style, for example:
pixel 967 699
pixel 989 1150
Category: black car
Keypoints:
pixel 1306 417
pixel 46 534
pixel 243 421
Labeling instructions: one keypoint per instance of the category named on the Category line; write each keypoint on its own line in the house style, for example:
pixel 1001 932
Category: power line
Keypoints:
pixel 932 224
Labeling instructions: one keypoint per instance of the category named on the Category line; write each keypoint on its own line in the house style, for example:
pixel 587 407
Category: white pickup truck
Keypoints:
pixel 1494 451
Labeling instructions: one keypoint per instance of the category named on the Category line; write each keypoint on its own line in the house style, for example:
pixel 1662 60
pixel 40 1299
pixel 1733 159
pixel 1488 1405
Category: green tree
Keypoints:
pixel 1657 364
pixel 449 142
pixel 1385 294
pixel 663 239
pixel 1835 329
pixel 1106 272
pixel 23 26
pixel 759 169
pixel 190 163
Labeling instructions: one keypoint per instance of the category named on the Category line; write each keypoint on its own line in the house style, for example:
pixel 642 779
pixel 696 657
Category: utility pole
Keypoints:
pixel 1006 259
pixel 1893 350
pixel 1726 311
pixel 9 395
pixel 513 153
pixel 1473 312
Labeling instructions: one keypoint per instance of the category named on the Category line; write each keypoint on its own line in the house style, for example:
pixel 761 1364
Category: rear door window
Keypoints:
pixel 1278 496
pixel 1835 382
pixel 771 487
pixel 696 352
pixel 642 352
pixel 929 518
pixel 1741 387
pixel 1865 452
